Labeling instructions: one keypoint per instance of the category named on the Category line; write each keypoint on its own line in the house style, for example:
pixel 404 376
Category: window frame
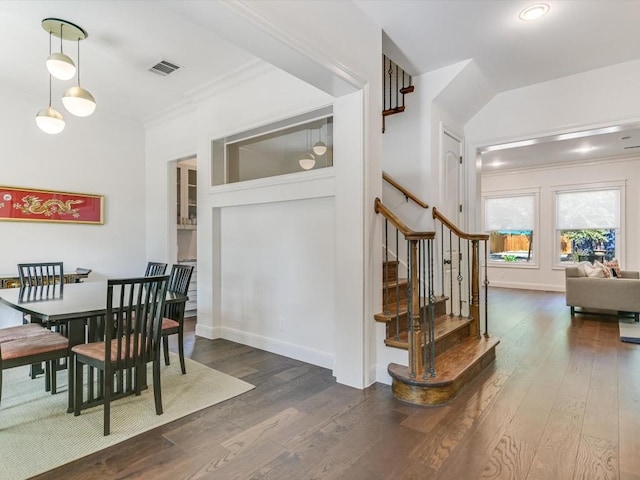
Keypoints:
pixel 528 192
pixel 619 185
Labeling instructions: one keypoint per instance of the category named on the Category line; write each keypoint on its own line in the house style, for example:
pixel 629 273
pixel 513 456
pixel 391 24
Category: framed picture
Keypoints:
pixel 30 205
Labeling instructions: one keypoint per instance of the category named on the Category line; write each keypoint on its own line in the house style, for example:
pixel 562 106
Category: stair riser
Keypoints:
pixel 393 295
pixel 443 343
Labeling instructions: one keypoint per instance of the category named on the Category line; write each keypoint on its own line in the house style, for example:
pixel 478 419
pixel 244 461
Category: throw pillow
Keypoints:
pixel 615 266
pixel 582 269
pixel 593 271
pixel 606 271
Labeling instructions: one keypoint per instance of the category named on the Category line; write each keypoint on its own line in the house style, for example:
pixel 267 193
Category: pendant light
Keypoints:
pixel 50 120
pixel 308 161
pixel 58 64
pixel 77 100
pixel 319 148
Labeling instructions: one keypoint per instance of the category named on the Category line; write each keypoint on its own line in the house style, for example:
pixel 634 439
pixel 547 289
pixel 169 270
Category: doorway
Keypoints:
pixel 187 224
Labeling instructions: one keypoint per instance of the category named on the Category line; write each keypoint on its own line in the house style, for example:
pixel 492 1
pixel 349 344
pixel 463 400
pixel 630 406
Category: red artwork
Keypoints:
pixel 23 204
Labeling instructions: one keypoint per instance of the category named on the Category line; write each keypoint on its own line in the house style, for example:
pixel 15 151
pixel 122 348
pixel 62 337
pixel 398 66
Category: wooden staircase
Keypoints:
pixel 460 351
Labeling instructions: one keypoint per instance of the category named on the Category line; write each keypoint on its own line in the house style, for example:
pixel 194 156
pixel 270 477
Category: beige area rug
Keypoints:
pixel 629 331
pixel 37 435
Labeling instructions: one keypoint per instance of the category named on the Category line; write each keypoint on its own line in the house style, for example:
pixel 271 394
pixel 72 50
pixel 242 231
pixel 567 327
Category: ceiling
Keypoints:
pixel 127 37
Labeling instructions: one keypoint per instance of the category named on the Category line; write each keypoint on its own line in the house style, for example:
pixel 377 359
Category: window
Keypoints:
pixel 588 223
pixel 510 220
pixel 289 146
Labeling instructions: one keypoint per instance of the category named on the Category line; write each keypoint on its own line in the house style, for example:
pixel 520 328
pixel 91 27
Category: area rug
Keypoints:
pixel 33 422
pixel 629 331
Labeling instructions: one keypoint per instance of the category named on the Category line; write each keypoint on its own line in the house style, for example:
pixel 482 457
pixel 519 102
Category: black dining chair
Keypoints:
pixel 50 274
pixel 155 268
pixel 132 332
pixel 45 278
pixel 173 321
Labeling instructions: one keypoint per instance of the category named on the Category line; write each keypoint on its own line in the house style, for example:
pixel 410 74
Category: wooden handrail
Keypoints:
pixel 403 190
pixel 402 228
pixel 467 236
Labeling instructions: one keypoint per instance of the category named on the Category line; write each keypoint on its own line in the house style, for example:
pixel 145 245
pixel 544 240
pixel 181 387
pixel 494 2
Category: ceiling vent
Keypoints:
pixel 164 68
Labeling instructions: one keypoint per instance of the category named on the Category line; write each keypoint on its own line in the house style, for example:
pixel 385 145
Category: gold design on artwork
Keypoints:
pixel 1 205
pixel 34 205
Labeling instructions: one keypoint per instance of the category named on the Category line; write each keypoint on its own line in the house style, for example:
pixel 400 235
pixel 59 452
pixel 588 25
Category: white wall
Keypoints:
pixel 101 155
pixel 546 276
pixel 278 275
pixel 344 61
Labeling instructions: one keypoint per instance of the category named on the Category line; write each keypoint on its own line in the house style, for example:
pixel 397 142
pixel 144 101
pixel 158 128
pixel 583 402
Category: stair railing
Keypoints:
pixel 407 194
pixel 420 295
pixel 452 239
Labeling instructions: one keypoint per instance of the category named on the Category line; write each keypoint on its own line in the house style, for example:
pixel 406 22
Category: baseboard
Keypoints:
pixel 304 354
pixel 209 332
pixel 382 374
pixel 528 286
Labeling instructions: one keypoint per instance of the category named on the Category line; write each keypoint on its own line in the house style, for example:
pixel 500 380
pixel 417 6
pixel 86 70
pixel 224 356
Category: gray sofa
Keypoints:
pixel 611 294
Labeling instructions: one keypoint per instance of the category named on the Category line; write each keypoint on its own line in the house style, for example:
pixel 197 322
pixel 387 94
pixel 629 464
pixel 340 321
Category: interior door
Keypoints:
pixel 451 208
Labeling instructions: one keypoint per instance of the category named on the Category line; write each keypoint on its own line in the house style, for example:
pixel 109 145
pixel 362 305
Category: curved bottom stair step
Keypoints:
pixel 454 369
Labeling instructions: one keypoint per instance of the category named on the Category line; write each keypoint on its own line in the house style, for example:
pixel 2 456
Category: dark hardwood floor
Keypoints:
pixel 561 401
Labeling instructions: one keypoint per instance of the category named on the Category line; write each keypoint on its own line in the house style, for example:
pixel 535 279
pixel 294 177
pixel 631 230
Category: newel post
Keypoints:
pixel 475 289
pixel 415 342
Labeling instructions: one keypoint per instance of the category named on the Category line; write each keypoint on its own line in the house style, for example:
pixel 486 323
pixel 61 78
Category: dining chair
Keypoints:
pixel 41 274
pixel 132 335
pixel 38 347
pixel 173 321
pixel 155 268
pixel 45 278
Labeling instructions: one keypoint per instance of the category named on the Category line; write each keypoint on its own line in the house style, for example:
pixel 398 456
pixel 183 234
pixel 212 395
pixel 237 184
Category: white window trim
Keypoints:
pixel 535 192
pixel 584 187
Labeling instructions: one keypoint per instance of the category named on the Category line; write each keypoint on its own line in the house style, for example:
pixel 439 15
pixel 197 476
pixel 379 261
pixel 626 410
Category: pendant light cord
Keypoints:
pixel 78 62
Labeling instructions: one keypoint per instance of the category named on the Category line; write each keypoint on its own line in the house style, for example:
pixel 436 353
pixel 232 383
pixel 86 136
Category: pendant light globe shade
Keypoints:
pixel 78 101
pixel 61 66
pixel 50 121
pixel 307 162
pixel 319 148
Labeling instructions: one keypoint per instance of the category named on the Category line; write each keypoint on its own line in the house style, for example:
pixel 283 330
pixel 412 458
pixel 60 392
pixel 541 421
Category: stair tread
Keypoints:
pixel 401 309
pixel 444 325
pixel 451 364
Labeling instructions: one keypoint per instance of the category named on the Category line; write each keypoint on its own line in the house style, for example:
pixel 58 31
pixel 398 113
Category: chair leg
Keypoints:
pixel 54 376
pixel 181 351
pixel 47 377
pixel 165 348
pixel 157 391
pixel 78 387
pixel 108 385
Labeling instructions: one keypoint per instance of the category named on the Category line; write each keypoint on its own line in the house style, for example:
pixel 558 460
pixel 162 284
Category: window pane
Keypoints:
pixel 592 209
pixel 511 246
pixel 587 245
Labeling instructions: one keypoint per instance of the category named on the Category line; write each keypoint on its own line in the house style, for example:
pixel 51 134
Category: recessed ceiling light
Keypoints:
pixel 534 12
pixel 585 149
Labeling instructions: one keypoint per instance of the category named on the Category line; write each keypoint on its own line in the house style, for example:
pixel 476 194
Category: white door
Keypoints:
pixel 451 208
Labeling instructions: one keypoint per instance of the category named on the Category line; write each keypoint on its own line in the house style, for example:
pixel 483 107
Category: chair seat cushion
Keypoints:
pixel 96 350
pixel 35 345
pixel 21 331
pixel 169 324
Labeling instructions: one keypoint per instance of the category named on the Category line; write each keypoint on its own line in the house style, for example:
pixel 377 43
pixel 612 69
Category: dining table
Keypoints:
pixel 74 306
